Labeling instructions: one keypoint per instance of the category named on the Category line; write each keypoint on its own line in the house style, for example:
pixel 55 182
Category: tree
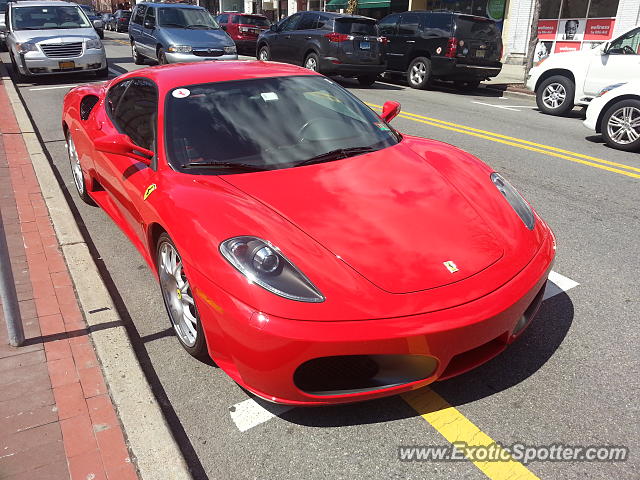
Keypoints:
pixel 533 38
pixel 352 6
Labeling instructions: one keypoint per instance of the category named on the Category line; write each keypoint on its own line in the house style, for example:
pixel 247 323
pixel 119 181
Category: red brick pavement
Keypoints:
pixel 56 417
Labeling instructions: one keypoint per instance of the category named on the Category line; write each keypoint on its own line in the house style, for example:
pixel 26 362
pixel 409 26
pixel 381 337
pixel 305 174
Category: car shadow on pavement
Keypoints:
pixel 517 363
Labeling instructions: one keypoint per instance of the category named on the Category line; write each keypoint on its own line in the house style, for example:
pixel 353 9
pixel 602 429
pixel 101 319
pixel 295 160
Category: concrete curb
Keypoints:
pixel 149 437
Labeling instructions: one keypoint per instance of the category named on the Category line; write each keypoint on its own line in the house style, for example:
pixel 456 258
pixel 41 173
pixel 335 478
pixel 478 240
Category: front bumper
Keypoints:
pixel 265 353
pixel 188 57
pixel 593 112
pixel 328 67
pixel 36 63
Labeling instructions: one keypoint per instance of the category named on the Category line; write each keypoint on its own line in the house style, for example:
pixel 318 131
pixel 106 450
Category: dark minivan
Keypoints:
pixel 329 43
pixel 450 46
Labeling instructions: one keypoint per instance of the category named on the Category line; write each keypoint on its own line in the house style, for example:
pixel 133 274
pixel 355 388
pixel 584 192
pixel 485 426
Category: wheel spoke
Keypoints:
pixel 632 135
pixel 187 299
pixel 615 121
pixel 184 287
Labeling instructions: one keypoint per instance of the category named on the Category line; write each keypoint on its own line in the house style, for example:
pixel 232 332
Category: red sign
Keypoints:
pixel 599 29
pixel 547 29
pixel 567 47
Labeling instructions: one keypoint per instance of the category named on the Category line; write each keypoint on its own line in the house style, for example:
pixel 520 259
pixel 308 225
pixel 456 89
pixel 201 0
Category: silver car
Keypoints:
pixel 47 37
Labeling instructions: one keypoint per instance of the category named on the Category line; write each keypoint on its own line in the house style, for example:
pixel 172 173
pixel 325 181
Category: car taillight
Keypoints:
pixel 383 40
pixel 451 47
pixel 338 37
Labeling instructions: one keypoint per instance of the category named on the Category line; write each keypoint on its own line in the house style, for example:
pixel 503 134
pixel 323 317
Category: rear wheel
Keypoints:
pixel 419 73
pixel 137 58
pixel 621 125
pixel 312 62
pixel 264 53
pixel 555 95
pixel 367 80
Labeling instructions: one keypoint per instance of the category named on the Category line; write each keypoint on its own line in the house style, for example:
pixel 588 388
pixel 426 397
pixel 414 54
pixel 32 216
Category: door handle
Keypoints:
pixel 411 41
pixel 288 37
pixel 308 37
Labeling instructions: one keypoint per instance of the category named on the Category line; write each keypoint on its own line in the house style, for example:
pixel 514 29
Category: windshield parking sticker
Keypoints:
pixel 269 96
pixel 181 93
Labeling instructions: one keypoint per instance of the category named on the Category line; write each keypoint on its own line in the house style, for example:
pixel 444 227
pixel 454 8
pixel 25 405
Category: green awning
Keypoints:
pixel 337 4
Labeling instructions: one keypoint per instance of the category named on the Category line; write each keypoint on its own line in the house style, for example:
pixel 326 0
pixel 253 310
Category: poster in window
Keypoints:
pixel 543 50
pixel 599 29
pixel 571 29
pixel 547 29
pixel 567 47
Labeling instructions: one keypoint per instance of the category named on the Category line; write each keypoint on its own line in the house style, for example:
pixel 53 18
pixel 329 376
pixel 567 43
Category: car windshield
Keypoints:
pixel 352 26
pixel 268 124
pixel 48 17
pixel 257 21
pixel 89 10
pixel 194 18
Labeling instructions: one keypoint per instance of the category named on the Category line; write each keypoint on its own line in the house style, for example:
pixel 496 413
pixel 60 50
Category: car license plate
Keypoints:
pixel 479 53
pixel 365 45
pixel 66 65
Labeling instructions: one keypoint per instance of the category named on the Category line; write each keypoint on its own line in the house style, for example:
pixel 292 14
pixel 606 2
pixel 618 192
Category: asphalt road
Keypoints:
pixel 572 379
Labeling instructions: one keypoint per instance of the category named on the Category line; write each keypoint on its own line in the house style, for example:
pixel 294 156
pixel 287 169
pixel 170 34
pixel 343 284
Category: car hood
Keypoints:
pixel 389 215
pixel 197 38
pixel 67 35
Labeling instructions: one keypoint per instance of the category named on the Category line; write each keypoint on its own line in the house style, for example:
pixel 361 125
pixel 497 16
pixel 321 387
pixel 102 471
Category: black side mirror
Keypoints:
pixel 224 27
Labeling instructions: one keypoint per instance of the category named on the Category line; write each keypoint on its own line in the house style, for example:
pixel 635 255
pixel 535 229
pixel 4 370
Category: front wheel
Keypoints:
pixel 264 53
pixel 367 80
pixel 312 62
pixel 101 34
pixel 76 170
pixel 419 73
pixel 178 298
pixel 621 125
pixel 555 95
pixel 162 57
pixel 137 58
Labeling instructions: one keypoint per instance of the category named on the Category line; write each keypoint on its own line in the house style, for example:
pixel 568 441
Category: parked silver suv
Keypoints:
pixel 46 37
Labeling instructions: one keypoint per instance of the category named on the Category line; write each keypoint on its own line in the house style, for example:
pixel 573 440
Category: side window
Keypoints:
pixel 223 18
pixel 387 25
pixel 292 23
pixel 114 96
pixel 409 24
pixel 439 24
pixel 86 105
pixel 136 113
pixel 324 22
pixel 628 44
pixel 308 22
pixel 138 15
pixel 236 19
pixel 150 16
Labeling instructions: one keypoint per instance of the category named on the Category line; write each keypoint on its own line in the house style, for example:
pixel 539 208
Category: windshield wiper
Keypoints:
pixel 245 167
pixel 336 154
pixel 173 25
pixel 199 26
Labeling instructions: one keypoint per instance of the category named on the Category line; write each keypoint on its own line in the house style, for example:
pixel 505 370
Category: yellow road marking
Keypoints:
pixel 455 427
pixel 524 144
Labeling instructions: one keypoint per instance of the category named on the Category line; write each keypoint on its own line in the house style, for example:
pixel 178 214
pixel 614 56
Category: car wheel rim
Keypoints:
pixel 264 56
pixel 418 72
pixel 623 126
pixel 311 64
pixel 134 52
pixel 76 169
pixel 177 295
pixel 554 95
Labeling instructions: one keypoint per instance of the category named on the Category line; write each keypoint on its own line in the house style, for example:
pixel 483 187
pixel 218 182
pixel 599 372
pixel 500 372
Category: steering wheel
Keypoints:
pixel 628 50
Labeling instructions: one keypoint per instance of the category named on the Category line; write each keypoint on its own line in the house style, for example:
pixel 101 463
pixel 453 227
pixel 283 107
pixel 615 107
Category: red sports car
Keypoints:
pixel 315 253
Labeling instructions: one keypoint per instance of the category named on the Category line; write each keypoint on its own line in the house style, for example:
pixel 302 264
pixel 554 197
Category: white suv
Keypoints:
pixel 574 78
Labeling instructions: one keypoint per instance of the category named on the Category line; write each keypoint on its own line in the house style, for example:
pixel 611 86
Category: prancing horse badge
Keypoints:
pixel 452 267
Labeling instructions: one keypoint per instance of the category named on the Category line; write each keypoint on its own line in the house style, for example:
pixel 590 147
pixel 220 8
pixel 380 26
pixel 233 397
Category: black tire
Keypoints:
pixel 555 95
pixel 137 58
pixel 79 181
pixel 103 73
pixel 264 53
pixel 467 85
pixel 162 58
pixel 367 80
pixel 419 73
pixel 199 348
pixel 312 62
pixel 101 34
pixel 20 77
pixel 608 136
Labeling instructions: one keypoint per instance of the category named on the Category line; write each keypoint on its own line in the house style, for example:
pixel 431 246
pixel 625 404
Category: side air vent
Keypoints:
pixel 86 105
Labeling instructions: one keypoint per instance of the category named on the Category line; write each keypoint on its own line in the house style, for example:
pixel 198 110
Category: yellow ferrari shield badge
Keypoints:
pixel 149 191
pixel 452 267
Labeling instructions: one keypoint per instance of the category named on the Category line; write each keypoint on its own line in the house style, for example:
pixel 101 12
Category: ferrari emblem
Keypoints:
pixel 179 294
pixel 452 267
pixel 149 191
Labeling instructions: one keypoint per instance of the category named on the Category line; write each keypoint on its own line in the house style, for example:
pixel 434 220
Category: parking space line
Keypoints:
pixel 524 144
pixel 513 108
pixel 558 284
pixel 250 413
pixel 54 87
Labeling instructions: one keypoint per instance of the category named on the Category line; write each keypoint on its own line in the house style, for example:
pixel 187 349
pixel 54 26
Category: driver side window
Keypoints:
pixel 628 44
pixel 291 23
pixel 134 110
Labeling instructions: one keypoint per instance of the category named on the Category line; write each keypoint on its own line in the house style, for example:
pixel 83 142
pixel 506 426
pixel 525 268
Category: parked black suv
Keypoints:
pixel 329 43
pixel 450 46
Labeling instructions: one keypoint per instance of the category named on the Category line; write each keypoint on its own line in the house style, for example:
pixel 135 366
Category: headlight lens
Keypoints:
pixel 179 49
pixel 94 43
pixel 26 47
pixel 230 50
pixel 263 264
pixel 609 88
pixel 516 200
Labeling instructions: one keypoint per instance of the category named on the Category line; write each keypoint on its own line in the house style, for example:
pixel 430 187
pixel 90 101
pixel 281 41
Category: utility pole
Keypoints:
pixel 8 294
pixel 533 38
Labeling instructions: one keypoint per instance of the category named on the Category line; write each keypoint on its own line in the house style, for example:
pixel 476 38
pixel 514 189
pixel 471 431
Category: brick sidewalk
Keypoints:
pixel 56 417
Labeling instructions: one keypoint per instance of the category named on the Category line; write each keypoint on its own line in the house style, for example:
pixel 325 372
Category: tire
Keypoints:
pixel 467 85
pixel 103 73
pixel 101 34
pixel 20 77
pixel 312 62
pixel 555 95
pixel 367 80
pixel 137 58
pixel 162 58
pixel 264 53
pixel 419 73
pixel 76 170
pixel 620 125
pixel 178 299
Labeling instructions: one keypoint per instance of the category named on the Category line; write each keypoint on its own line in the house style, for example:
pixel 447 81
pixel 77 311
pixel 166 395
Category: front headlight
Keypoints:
pixel 516 200
pixel 264 264
pixel 609 88
pixel 26 47
pixel 179 49
pixel 230 50
pixel 94 44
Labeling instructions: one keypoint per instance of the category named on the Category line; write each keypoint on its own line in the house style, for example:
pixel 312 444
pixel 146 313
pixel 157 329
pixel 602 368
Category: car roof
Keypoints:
pixel 170 5
pixel 46 3
pixel 168 77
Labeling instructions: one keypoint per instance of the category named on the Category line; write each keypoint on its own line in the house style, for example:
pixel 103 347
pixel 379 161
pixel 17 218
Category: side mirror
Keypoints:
pixel 273 27
pixel 605 48
pixel 390 110
pixel 98 24
pixel 224 27
pixel 121 144
pixel 149 24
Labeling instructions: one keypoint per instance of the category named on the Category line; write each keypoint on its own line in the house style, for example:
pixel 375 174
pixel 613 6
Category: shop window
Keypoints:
pixel 574 9
pixel 549 9
pixel 603 8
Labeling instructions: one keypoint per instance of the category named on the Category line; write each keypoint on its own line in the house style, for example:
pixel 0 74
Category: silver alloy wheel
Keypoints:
pixel 264 55
pixel 623 126
pixel 134 52
pixel 311 63
pixel 177 295
pixel 554 95
pixel 418 73
pixel 74 161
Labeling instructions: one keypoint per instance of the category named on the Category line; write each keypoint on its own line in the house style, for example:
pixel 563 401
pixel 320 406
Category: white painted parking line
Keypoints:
pixel 249 414
pixel 513 108
pixel 557 284
pixel 114 72
pixel 53 88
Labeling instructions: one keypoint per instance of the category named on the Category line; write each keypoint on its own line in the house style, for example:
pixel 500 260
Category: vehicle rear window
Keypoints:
pixel 352 26
pixel 476 27
pixel 253 20
pixel 126 14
